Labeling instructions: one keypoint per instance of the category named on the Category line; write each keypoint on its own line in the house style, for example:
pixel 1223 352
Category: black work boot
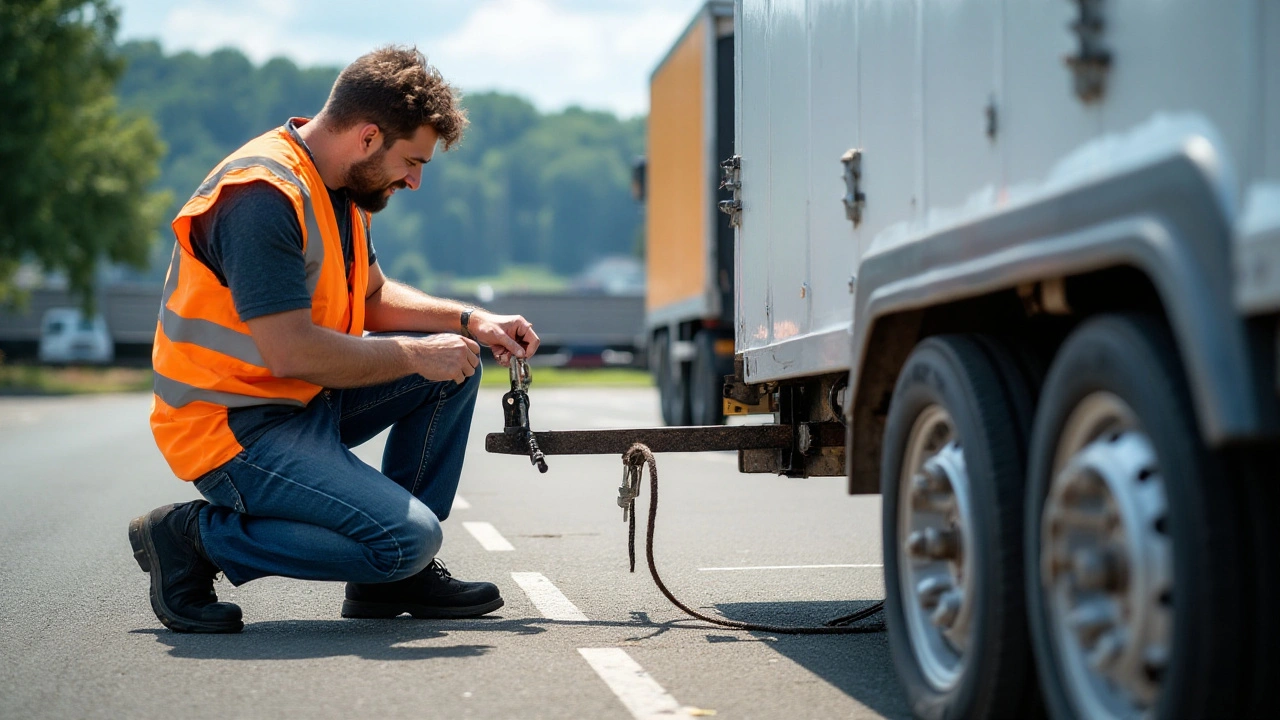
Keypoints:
pixel 432 593
pixel 166 544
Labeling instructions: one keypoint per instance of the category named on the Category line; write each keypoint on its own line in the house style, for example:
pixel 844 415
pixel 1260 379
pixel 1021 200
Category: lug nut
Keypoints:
pixel 920 491
pixel 944 616
pixel 1055 561
pixel 917 545
pixel 942 544
pixel 1154 661
pixel 1091 620
pixel 931 589
pixel 1106 650
pixel 936 477
pixel 1094 569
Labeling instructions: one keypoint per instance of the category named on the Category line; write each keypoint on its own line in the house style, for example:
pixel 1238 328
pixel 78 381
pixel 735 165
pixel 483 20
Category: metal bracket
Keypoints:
pixel 743 399
pixel 854 199
pixel 763 406
pixel 1091 62
pixel 731 180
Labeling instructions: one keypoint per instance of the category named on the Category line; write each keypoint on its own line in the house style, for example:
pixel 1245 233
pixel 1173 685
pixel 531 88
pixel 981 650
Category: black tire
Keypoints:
pixel 1256 466
pixel 673 390
pixel 989 402
pixel 1134 359
pixel 706 388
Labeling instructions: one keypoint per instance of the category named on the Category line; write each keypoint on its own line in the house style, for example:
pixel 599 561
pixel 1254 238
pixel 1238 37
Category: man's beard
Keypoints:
pixel 365 185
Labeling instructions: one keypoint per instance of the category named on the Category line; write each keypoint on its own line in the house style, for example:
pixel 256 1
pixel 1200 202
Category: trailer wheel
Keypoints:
pixel 1133 564
pixel 706 389
pixel 952 484
pixel 673 390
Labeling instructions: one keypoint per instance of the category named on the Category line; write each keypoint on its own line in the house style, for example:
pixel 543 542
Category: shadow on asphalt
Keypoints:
pixel 858 665
pixel 400 639
pixel 303 639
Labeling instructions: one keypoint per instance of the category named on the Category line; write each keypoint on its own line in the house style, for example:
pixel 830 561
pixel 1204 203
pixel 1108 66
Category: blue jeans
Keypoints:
pixel 297 503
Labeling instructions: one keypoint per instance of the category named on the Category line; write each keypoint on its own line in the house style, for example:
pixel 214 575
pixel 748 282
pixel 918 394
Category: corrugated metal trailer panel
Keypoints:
pixel 962 111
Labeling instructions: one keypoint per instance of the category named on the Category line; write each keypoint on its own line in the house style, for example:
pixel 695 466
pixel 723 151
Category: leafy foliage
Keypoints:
pixel 77 172
pixel 524 188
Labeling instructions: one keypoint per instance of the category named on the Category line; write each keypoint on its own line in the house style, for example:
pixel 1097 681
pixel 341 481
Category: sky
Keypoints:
pixel 597 54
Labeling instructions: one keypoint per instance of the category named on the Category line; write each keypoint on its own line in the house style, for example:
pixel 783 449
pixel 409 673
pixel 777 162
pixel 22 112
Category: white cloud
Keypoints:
pixel 598 56
pixel 594 53
pixel 261 29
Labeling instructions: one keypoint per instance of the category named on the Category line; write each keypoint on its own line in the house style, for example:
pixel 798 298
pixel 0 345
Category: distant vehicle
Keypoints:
pixel 67 336
pixel 689 244
pixel 614 275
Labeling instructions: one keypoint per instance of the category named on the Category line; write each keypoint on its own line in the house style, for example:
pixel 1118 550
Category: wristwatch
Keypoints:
pixel 466 319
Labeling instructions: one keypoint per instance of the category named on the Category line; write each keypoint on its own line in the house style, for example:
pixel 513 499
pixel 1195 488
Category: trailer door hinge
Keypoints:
pixel 1091 62
pixel 731 180
pixel 854 199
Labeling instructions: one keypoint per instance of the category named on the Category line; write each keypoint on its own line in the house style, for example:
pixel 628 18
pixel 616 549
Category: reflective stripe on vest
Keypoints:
pixel 206 362
pixel 213 336
pixel 176 394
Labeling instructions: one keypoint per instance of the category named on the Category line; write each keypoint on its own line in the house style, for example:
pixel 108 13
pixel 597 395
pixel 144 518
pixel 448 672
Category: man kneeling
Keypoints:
pixel 264 376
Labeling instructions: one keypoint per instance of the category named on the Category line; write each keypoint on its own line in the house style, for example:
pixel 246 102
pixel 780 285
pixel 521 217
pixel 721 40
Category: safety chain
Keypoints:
pixel 633 462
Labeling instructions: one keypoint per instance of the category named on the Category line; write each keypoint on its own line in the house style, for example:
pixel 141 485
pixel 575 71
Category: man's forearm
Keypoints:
pixel 336 360
pixel 295 347
pixel 398 307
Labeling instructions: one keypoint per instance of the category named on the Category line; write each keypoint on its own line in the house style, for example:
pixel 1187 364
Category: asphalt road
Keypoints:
pixel 78 638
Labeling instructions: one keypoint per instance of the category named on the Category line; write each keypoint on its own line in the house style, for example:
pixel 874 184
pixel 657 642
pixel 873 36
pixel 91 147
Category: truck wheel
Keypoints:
pixel 952 484
pixel 706 393
pixel 673 392
pixel 1133 570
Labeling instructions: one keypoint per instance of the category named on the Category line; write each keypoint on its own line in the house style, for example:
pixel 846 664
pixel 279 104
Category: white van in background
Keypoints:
pixel 67 336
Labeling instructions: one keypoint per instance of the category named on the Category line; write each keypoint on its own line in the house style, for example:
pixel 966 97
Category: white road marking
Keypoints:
pixel 790 567
pixel 640 693
pixel 460 503
pixel 547 597
pixel 489 537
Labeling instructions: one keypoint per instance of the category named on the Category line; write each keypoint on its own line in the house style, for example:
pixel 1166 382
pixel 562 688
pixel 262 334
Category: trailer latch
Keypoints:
pixel 515 410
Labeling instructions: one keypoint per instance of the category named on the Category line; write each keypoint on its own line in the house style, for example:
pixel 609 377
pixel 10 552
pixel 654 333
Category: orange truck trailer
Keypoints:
pixel 689 253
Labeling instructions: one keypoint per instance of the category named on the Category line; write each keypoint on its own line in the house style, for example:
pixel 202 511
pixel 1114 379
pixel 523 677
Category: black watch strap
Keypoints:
pixel 466 320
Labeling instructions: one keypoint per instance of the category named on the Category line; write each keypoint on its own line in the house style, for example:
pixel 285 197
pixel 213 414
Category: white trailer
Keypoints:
pixel 1028 251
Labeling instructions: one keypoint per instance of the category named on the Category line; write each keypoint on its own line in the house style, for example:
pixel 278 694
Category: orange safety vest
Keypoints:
pixel 204 358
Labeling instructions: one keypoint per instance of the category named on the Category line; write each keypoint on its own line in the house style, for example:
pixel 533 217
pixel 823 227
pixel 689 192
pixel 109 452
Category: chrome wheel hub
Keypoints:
pixel 1106 561
pixel 935 571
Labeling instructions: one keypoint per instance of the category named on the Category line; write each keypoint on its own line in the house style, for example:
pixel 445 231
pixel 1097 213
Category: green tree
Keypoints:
pixel 76 187
pixel 524 188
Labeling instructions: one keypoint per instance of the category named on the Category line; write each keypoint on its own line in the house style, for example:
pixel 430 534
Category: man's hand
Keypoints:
pixel 443 357
pixel 506 335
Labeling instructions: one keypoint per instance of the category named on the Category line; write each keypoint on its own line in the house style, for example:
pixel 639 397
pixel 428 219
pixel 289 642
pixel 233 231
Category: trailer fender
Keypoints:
pixel 1166 218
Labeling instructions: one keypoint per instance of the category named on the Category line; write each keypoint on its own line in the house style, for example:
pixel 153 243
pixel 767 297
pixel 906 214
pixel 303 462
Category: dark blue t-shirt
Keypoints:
pixel 252 242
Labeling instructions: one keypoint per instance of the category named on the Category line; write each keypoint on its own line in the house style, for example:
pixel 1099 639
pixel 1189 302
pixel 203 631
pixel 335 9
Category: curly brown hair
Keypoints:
pixel 395 88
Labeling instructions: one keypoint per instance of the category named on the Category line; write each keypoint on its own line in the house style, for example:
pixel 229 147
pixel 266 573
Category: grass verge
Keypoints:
pixel 496 376
pixel 20 379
